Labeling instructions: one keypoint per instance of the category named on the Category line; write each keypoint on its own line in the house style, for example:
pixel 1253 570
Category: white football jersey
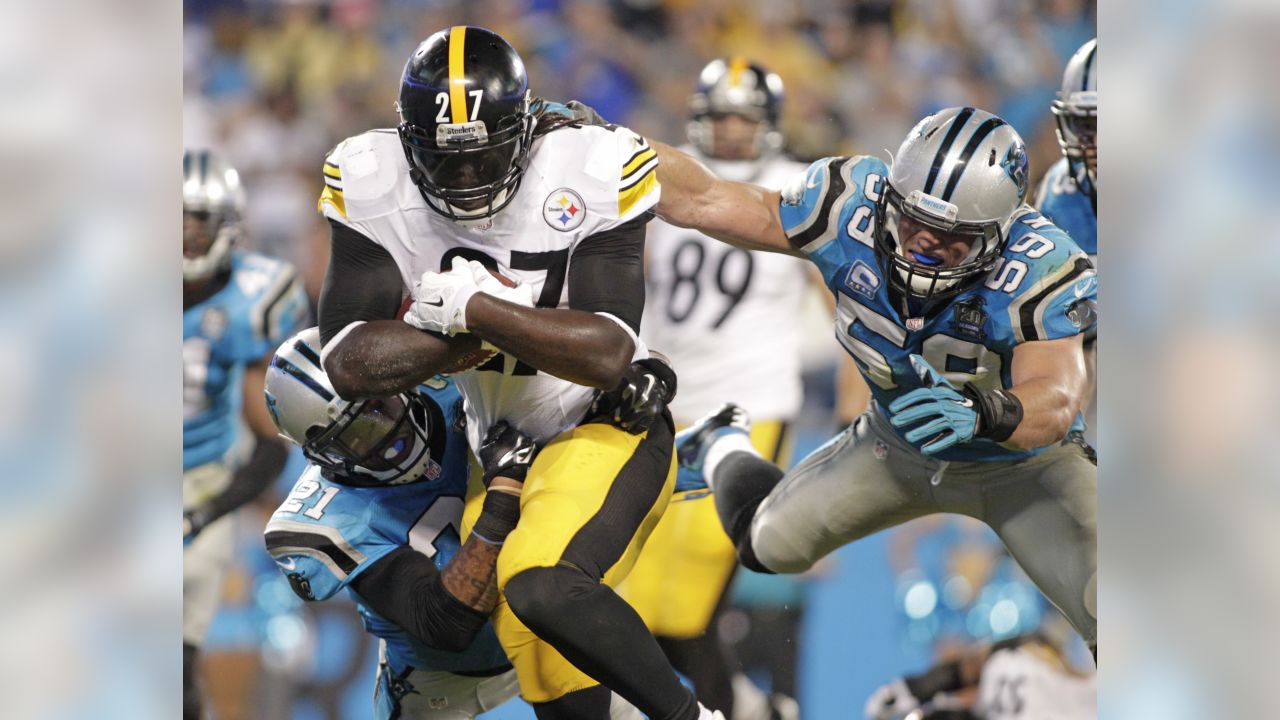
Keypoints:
pixel 1019 684
pixel 729 319
pixel 579 181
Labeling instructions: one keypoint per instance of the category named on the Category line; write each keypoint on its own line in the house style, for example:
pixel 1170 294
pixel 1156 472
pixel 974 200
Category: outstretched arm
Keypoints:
pixel 1049 380
pixel 737 213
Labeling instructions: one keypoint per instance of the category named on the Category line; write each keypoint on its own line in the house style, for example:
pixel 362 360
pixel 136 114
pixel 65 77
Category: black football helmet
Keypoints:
pixel 736 86
pixel 465 122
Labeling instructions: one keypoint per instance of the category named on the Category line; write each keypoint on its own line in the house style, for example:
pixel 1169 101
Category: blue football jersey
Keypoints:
pixel 262 304
pixel 1042 288
pixel 325 534
pixel 1060 200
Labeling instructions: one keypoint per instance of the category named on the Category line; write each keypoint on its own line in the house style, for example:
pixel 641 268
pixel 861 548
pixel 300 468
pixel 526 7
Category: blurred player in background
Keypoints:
pixel 726 318
pixel 1068 194
pixel 965 310
pixel 477 180
pixel 379 512
pixel 237 306
pixel 1022 678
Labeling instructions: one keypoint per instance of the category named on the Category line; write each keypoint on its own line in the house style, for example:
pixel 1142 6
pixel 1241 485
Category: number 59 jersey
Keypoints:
pixel 579 181
pixel 727 318
pixel 1043 287
pixel 326 534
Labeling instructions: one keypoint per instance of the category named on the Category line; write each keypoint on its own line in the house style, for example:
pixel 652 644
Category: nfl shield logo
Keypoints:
pixel 880 450
pixel 915 324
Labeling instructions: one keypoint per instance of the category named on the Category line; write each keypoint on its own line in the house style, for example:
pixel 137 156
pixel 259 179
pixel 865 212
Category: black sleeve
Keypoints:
pixel 606 272
pixel 362 283
pixel 406 588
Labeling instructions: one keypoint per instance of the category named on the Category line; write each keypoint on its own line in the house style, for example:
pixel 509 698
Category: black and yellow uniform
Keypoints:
pixel 569 224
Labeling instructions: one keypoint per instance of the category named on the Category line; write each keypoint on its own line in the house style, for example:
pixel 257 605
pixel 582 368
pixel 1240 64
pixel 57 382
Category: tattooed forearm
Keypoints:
pixel 472 575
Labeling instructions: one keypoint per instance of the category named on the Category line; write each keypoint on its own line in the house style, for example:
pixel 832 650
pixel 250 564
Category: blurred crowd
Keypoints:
pixel 275 83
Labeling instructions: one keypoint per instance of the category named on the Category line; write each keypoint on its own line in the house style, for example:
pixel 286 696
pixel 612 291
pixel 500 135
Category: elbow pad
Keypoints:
pixel 446 624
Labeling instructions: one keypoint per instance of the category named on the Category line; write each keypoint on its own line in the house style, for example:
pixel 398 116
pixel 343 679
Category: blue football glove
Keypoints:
pixel 943 416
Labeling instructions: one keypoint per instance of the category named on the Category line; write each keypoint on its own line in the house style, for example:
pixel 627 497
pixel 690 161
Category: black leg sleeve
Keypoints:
pixel 191 705
pixel 601 635
pixel 589 704
pixel 743 481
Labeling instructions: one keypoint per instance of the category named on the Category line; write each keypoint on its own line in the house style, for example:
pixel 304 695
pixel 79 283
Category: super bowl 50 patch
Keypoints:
pixel 564 210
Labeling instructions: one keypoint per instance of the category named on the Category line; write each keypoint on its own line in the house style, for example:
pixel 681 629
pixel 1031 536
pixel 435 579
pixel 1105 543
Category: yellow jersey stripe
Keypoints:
pixel 737 66
pixel 332 171
pixel 628 198
pixel 333 196
pixel 457 73
pixel 639 159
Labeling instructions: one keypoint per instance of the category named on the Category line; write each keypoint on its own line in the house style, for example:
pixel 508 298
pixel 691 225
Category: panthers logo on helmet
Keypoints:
pixel 1015 166
pixel 564 210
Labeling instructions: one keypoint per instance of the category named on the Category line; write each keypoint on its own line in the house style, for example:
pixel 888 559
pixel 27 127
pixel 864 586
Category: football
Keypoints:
pixel 465 351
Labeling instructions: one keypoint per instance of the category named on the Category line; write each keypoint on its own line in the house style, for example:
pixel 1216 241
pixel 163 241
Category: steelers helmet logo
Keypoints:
pixel 564 210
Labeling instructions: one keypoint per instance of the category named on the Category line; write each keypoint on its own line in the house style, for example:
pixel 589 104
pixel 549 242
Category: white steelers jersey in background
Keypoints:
pixel 579 181
pixel 1022 683
pixel 728 319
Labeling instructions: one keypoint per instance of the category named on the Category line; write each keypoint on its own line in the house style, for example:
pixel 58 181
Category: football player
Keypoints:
pixel 380 511
pixel 725 318
pixel 965 310
pixel 1068 194
pixel 236 307
pixel 1020 678
pixel 478 180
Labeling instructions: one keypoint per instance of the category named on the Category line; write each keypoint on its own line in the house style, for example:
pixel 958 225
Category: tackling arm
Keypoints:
pixel 445 608
pixel 737 213
pixel 1049 379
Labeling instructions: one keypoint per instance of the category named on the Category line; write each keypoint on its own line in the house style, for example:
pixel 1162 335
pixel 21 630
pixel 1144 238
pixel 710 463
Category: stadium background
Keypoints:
pixel 274 84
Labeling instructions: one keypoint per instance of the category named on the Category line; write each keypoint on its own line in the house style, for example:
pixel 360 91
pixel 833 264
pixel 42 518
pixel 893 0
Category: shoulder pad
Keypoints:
pixel 812 202
pixel 276 302
pixel 1051 280
pixel 619 172
pixel 318 555
pixel 361 177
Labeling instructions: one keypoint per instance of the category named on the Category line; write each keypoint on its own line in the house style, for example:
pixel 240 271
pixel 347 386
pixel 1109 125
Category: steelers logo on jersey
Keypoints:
pixel 564 210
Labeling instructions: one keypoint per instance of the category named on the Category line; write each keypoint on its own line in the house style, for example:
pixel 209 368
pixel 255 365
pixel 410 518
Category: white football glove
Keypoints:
pixel 891 701
pixel 440 300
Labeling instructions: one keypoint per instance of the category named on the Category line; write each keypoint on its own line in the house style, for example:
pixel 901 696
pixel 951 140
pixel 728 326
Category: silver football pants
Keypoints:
pixel 866 479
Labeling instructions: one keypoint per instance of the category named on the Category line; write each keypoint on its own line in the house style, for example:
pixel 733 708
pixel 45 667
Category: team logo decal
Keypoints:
pixel 862 280
pixel 213 322
pixel 1082 313
pixel 969 319
pixel 564 210
pixel 1015 166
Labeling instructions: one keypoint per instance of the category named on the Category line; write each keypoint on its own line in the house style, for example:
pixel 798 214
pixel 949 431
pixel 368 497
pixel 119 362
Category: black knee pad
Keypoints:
pixel 537 595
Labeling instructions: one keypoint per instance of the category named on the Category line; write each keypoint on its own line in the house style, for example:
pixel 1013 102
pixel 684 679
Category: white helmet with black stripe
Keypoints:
pixel 212 209
pixel 952 191
pixel 381 441
pixel 1076 111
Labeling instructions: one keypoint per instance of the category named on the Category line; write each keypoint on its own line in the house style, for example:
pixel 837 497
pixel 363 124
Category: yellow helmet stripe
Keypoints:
pixel 737 66
pixel 457 74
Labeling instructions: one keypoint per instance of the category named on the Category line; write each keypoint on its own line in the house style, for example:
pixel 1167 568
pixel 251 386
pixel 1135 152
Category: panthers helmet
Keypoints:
pixel 213 200
pixel 465 122
pixel 382 441
pixel 736 86
pixel 1076 111
pixel 962 174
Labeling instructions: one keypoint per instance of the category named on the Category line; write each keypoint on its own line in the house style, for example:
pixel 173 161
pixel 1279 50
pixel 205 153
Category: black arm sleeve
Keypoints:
pixel 406 588
pixel 362 282
pixel 606 272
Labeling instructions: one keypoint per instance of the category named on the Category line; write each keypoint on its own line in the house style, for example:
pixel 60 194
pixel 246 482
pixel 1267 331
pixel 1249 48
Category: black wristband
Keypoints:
pixel 999 412
pixel 498 518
